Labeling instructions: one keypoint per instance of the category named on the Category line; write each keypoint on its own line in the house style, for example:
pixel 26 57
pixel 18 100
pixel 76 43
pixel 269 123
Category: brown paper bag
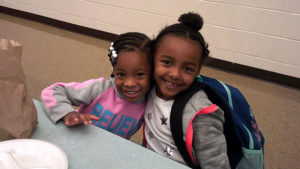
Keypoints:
pixel 18 116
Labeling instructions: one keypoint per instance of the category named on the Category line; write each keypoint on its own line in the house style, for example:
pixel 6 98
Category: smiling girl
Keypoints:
pixel 179 51
pixel 116 104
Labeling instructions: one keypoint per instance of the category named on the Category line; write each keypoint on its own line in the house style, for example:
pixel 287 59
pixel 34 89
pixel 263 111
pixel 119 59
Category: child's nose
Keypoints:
pixel 175 73
pixel 130 82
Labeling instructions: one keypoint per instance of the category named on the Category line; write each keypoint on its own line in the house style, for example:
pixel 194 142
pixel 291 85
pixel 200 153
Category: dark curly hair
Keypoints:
pixel 132 41
pixel 189 26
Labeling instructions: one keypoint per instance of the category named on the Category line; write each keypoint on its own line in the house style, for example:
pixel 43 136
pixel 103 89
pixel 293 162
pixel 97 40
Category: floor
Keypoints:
pixel 54 55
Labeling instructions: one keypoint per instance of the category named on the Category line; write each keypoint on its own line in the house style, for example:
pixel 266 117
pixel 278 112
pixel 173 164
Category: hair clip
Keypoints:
pixel 111 46
pixel 112 53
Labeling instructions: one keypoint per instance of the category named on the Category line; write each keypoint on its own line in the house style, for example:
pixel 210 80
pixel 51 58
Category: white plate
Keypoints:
pixel 31 154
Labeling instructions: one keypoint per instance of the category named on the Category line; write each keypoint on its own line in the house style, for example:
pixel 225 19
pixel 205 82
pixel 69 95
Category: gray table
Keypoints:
pixel 89 147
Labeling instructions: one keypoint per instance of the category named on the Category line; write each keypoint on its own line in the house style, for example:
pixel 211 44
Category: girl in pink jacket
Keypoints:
pixel 116 104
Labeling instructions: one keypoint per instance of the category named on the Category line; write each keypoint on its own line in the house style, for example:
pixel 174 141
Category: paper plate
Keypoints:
pixel 31 154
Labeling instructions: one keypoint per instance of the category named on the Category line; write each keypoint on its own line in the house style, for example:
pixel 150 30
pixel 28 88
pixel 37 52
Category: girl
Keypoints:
pixel 179 51
pixel 116 104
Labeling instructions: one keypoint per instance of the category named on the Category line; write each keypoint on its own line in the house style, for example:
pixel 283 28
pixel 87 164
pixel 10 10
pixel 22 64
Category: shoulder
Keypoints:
pixel 198 101
pixel 104 83
pixel 96 86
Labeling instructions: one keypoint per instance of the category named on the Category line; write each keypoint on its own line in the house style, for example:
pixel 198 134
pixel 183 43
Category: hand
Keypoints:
pixel 75 118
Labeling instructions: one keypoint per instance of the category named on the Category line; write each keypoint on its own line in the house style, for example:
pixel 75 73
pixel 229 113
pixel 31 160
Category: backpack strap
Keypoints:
pixel 176 120
pixel 234 150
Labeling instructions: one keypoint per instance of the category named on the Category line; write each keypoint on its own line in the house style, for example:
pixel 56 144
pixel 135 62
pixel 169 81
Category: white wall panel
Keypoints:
pixel 262 21
pixel 71 18
pixel 279 67
pixel 85 13
pixel 171 8
pixel 263 34
pixel 291 6
pixel 227 14
pixel 258 45
pixel 256 62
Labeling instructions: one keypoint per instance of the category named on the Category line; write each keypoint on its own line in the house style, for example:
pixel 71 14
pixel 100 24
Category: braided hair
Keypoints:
pixel 188 27
pixel 130 41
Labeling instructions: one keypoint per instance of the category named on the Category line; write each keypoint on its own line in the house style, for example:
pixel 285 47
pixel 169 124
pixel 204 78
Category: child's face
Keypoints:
pixel 132 74
pixel 176 64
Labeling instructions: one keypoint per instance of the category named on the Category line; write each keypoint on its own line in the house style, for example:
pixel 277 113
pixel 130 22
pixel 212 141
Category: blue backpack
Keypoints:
pixel 244 139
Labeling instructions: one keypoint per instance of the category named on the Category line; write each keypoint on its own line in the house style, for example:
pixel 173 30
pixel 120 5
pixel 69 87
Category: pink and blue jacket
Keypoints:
pixel 98 97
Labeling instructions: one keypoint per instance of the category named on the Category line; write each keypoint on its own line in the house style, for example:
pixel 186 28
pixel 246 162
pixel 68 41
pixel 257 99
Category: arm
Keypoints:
pixel 59 98
pixel 209 141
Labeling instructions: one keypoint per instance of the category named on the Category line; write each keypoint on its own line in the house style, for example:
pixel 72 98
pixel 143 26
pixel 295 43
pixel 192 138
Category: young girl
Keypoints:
pixel 179 51
pixel 116 104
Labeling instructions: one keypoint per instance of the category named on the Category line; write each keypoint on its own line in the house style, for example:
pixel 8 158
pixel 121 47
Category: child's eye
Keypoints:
pixel 140 74
pixel 166 62
pixel 189 69
pixel 120 74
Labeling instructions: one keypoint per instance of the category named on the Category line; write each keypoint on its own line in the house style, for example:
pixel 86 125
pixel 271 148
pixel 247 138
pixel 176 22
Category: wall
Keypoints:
pixel 261 34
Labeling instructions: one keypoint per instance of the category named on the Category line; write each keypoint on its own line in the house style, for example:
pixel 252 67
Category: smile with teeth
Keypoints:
pixel 170 84
pixel 131 92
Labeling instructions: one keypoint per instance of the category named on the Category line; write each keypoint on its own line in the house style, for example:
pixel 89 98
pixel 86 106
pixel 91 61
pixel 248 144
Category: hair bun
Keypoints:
pixel 192 20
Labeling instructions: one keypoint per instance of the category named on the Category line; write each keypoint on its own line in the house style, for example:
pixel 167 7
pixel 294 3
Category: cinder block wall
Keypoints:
pixel 261 34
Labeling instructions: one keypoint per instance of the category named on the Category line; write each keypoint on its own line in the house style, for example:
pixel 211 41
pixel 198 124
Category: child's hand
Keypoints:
pixel 74 118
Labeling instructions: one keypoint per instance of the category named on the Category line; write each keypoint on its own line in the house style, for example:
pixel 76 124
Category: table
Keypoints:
pixel 89 147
